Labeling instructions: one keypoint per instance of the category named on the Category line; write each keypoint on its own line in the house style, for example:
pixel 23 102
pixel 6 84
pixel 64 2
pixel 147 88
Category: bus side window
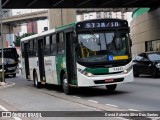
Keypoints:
pixel 53 45
pixel 31 48
pixel 47 45
pixel 35 48
pixel 60 43
pixel 22 49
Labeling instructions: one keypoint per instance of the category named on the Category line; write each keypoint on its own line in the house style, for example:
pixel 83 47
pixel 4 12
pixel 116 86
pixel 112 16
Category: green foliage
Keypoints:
pixel 18 38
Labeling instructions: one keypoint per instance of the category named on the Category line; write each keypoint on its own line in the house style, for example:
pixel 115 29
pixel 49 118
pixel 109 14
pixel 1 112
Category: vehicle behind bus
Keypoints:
pixel 10 61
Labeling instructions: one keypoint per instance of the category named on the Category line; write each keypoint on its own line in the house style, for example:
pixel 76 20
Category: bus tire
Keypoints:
pixel 35 79
pixel 14 75
pixel 111 87
pixel 66 88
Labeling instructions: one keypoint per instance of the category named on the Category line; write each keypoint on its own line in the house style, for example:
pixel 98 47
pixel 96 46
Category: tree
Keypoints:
pixel 18 38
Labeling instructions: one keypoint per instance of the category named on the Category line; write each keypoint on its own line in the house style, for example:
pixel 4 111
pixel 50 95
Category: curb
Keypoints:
pixel 8 84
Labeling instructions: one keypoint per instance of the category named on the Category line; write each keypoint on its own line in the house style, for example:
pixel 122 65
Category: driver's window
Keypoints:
pixel 144 57
pixel 139 58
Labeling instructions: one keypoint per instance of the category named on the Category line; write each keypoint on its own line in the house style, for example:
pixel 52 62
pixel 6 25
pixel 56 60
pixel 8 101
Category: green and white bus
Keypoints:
pixel 83 54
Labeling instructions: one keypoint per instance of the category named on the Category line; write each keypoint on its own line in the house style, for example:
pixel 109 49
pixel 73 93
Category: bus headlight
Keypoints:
pixel 127 70
pixel 85 73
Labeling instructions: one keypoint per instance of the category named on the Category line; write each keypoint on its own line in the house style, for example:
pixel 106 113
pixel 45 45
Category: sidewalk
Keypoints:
pixel 6 84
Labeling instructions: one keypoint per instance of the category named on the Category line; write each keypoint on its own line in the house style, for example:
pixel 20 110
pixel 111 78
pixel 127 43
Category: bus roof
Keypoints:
pixel 48 32
pixel 38 35
pixel 66 26
pixel 63 27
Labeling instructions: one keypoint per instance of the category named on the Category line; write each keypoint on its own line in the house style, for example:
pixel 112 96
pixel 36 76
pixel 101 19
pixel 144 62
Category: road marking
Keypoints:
pixel 93 101
pixel 4 109
pixel 133 110
pixel 112 105
pixel 76 97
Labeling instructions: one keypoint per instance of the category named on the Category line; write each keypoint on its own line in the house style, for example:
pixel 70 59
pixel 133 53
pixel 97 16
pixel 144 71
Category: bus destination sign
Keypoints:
pixel 101 24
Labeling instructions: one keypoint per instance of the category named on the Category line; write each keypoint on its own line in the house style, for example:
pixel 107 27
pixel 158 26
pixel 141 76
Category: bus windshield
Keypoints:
pixel 102 46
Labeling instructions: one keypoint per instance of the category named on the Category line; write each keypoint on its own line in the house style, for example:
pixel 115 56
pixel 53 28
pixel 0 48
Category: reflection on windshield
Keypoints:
pixel 10 57
pixel 154 56
pixel 7 61
pixel 96 47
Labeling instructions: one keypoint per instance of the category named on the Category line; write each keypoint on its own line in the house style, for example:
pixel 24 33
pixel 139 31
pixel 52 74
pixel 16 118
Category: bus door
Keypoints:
pixel 70 59
pixel 26 60
pixel 41 60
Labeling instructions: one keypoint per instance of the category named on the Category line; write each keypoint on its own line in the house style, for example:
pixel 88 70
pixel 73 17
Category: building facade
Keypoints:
pixel 145 30
pixel 98 15
pixel 32 27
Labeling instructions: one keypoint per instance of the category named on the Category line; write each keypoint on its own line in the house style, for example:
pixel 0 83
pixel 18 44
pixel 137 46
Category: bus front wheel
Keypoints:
pixel 111 87
pixel 66 88
pixel 35 79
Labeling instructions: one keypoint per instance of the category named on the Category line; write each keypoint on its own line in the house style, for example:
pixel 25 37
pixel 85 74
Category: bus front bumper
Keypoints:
pixel 99 80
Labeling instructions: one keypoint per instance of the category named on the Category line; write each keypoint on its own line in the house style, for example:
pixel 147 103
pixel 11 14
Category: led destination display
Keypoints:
pixel 101 24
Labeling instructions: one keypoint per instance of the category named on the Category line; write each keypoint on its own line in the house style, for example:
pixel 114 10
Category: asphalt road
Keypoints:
pixel 23 96
pixel 143 95
pixel 140 95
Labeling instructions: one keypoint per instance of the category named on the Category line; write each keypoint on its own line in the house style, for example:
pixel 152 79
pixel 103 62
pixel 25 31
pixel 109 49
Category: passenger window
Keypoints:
pixel 144 57
pixel 47 46
pixel 22 47
pixel 53 45
pixel 139 57
pixel 35 48
pixel 31 48
pixel 60 43
pixel 53 40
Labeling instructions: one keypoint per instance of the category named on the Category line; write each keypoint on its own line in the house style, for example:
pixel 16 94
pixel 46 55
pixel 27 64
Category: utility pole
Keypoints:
pixel 2 72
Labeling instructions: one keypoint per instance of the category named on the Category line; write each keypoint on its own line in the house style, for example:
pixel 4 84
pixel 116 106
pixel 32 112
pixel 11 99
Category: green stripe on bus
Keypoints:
pixel 97 70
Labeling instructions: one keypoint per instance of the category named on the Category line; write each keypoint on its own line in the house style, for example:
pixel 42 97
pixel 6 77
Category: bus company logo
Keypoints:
pixel 6 114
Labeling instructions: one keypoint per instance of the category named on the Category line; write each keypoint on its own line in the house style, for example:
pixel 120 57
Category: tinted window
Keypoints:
pixel 139 57
pixel 53 41
pixel 22 49
pixel 35 48
pixel 154 56
pixel 10 56
pixel 60 42
pixel 53 45
pixel 47 45
pixel 31 48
